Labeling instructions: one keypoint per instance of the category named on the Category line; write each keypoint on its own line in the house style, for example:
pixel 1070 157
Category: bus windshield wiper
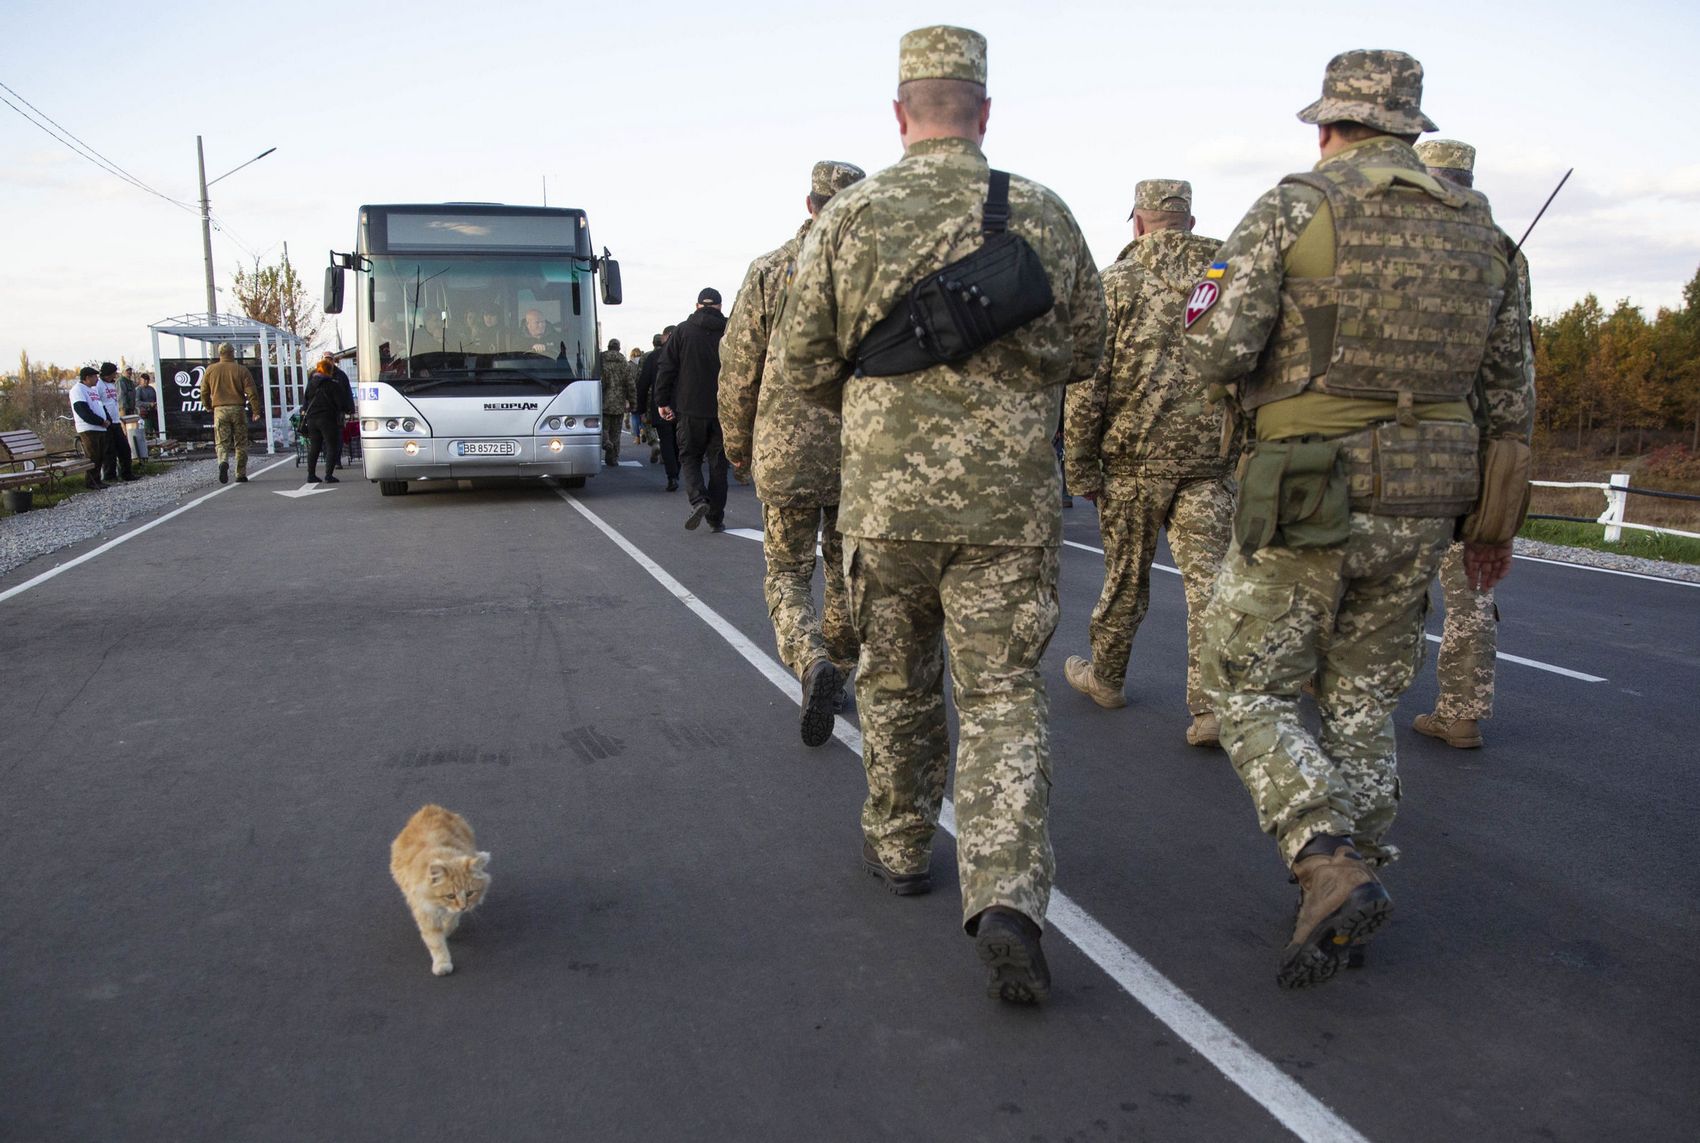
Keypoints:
pixel 480 376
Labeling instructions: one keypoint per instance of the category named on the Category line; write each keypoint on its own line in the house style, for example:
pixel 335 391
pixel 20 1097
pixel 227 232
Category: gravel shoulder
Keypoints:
pixel 84 517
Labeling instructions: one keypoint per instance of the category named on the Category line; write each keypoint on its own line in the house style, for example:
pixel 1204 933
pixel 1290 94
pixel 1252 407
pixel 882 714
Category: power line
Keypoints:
pixel 82 149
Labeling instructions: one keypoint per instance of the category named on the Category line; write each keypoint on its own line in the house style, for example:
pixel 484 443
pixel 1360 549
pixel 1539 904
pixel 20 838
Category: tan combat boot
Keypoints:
pixel 1463 733
pixel 1341 904
pixel 1206 730
pixel 1084 679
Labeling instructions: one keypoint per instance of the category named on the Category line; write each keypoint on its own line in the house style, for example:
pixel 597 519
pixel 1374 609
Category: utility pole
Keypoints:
pixel 206 226
pixel 206 214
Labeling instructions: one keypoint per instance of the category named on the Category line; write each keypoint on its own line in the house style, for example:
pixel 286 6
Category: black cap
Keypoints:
pixel 86 372
pixel 106 368
pixel 708 297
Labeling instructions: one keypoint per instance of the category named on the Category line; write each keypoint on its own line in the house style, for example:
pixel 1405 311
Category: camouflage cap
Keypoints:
pixel 830 176
pixel 1173 196
pixel 942 52
pixel 1447 155
pixel 1378 88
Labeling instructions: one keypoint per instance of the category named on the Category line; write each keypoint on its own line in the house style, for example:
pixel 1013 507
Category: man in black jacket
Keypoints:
pixel 666 447
pixel 687 392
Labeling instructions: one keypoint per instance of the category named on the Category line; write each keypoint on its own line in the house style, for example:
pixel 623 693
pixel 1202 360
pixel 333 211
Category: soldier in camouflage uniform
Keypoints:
pixel 1142 441
pixel 951 504
pixel 618 398
pixel 1470 639
pixel 1358 349
pixel 795 451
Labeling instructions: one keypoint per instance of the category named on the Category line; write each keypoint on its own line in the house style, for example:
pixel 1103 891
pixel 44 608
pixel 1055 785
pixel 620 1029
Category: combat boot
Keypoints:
pixel 1007 941
pixel 1341 904
pixel 821 684
pixel 902 884
pixel 1206 730
pixel 1462 733
pixel 1084 679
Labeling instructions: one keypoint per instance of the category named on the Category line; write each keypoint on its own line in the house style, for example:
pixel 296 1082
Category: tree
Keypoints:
pixel 275 295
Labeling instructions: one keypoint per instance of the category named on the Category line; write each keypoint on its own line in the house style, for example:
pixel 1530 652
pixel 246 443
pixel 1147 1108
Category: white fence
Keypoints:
pixel 1617 492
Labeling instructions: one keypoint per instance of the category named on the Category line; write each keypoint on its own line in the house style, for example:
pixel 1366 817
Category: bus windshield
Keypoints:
pixel 479 319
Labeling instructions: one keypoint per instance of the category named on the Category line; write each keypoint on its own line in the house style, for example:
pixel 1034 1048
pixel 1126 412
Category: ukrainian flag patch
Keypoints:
pixel 1217 269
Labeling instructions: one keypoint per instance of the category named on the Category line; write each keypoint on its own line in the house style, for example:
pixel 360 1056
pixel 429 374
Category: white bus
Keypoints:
pixel 477 342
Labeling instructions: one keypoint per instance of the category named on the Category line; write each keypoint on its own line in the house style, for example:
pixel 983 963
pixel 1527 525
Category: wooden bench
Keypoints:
pixel 25 461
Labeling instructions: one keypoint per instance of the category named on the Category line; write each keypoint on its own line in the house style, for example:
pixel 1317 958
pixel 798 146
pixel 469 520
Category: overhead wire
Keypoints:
pixel 65 136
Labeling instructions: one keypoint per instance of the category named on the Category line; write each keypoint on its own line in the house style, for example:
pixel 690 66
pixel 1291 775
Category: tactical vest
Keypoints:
pixel 1419 273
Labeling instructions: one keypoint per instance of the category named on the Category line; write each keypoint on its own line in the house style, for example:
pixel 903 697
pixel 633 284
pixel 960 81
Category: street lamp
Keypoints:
pixel 206 214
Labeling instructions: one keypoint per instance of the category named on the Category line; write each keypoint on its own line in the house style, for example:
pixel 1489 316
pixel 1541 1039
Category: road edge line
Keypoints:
pixel 1281 1096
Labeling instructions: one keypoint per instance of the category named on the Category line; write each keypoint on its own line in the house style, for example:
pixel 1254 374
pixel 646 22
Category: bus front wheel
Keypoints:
pixel 392 487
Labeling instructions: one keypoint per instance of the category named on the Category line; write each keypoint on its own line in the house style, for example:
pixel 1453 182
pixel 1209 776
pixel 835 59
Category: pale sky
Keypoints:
pixel 687 131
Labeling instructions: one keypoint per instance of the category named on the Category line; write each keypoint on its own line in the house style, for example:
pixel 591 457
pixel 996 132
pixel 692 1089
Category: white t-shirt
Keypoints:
pixel 109 398
pixel 89 395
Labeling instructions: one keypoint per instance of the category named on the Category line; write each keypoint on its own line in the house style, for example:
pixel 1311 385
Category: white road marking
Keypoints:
pixel 1535 663
pixel 110 544
pixel 1291 1105
pixel 304 490
pixel 1607 571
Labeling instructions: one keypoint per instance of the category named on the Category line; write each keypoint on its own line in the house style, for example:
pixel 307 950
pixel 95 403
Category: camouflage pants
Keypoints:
pixel 1199 516
pixel 1352 616
pixel 788 538
pixel 230 435
pixel 612 422
pixel 995 608
pixel 1468 644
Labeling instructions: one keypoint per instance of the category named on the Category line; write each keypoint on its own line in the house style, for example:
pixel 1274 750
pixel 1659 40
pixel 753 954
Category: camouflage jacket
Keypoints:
pixel 955 453
pixel 1226 340
pixel 796 450
pixel 1143 413
pixel 618 384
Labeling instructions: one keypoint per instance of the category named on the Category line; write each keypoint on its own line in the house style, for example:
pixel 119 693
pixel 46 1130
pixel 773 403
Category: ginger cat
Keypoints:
pixel 441 873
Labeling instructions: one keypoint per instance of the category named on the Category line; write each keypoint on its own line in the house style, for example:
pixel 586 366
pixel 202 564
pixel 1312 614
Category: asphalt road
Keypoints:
pixel 212 731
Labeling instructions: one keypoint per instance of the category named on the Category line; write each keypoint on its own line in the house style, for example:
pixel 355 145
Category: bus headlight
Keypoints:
pixel 369 425
pixel 554 423
pixel 411 448
pixel 392 424
pixel 592 422
pixel 409 425
pixel 555 445
pixel 569 422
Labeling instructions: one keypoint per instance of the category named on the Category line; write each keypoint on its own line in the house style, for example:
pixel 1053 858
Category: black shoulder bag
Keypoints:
pixel 961 309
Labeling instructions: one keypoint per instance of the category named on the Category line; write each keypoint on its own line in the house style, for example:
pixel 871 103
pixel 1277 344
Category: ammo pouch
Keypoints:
pixel 1504 501
pixel 1424 469
pixel 1293 494
pixel 961 309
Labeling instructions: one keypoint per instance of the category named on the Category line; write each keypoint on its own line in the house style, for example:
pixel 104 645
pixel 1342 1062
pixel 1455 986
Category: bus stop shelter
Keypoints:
pixel 282 360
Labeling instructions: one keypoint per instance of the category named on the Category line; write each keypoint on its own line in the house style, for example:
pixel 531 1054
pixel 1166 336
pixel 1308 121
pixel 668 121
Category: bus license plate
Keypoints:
pixel 486 448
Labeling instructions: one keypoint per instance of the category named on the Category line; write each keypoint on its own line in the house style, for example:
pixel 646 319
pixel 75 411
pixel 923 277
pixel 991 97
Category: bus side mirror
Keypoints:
pixel 333 290
pixel 610 282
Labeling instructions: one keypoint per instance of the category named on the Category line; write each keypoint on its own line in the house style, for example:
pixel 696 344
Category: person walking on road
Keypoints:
pixel 1469 640
pixel 1354 312
pixel 617 397
pixel 687 390
pixel 226 387
pixel 326 403
pixel 1142 443
pixel 88 414
pixel 793 448
pixel 118 462
pixel 950 504
pixel 664 443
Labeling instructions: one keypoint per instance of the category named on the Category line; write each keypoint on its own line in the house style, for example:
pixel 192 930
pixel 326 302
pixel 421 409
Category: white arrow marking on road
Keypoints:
pixel 304 490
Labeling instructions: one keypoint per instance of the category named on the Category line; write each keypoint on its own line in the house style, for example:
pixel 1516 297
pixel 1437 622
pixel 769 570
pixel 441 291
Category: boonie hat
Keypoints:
pixel 1173 196
pixel 1376 87
pixel 942 52
pixel 1447 155
pixel 830 176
